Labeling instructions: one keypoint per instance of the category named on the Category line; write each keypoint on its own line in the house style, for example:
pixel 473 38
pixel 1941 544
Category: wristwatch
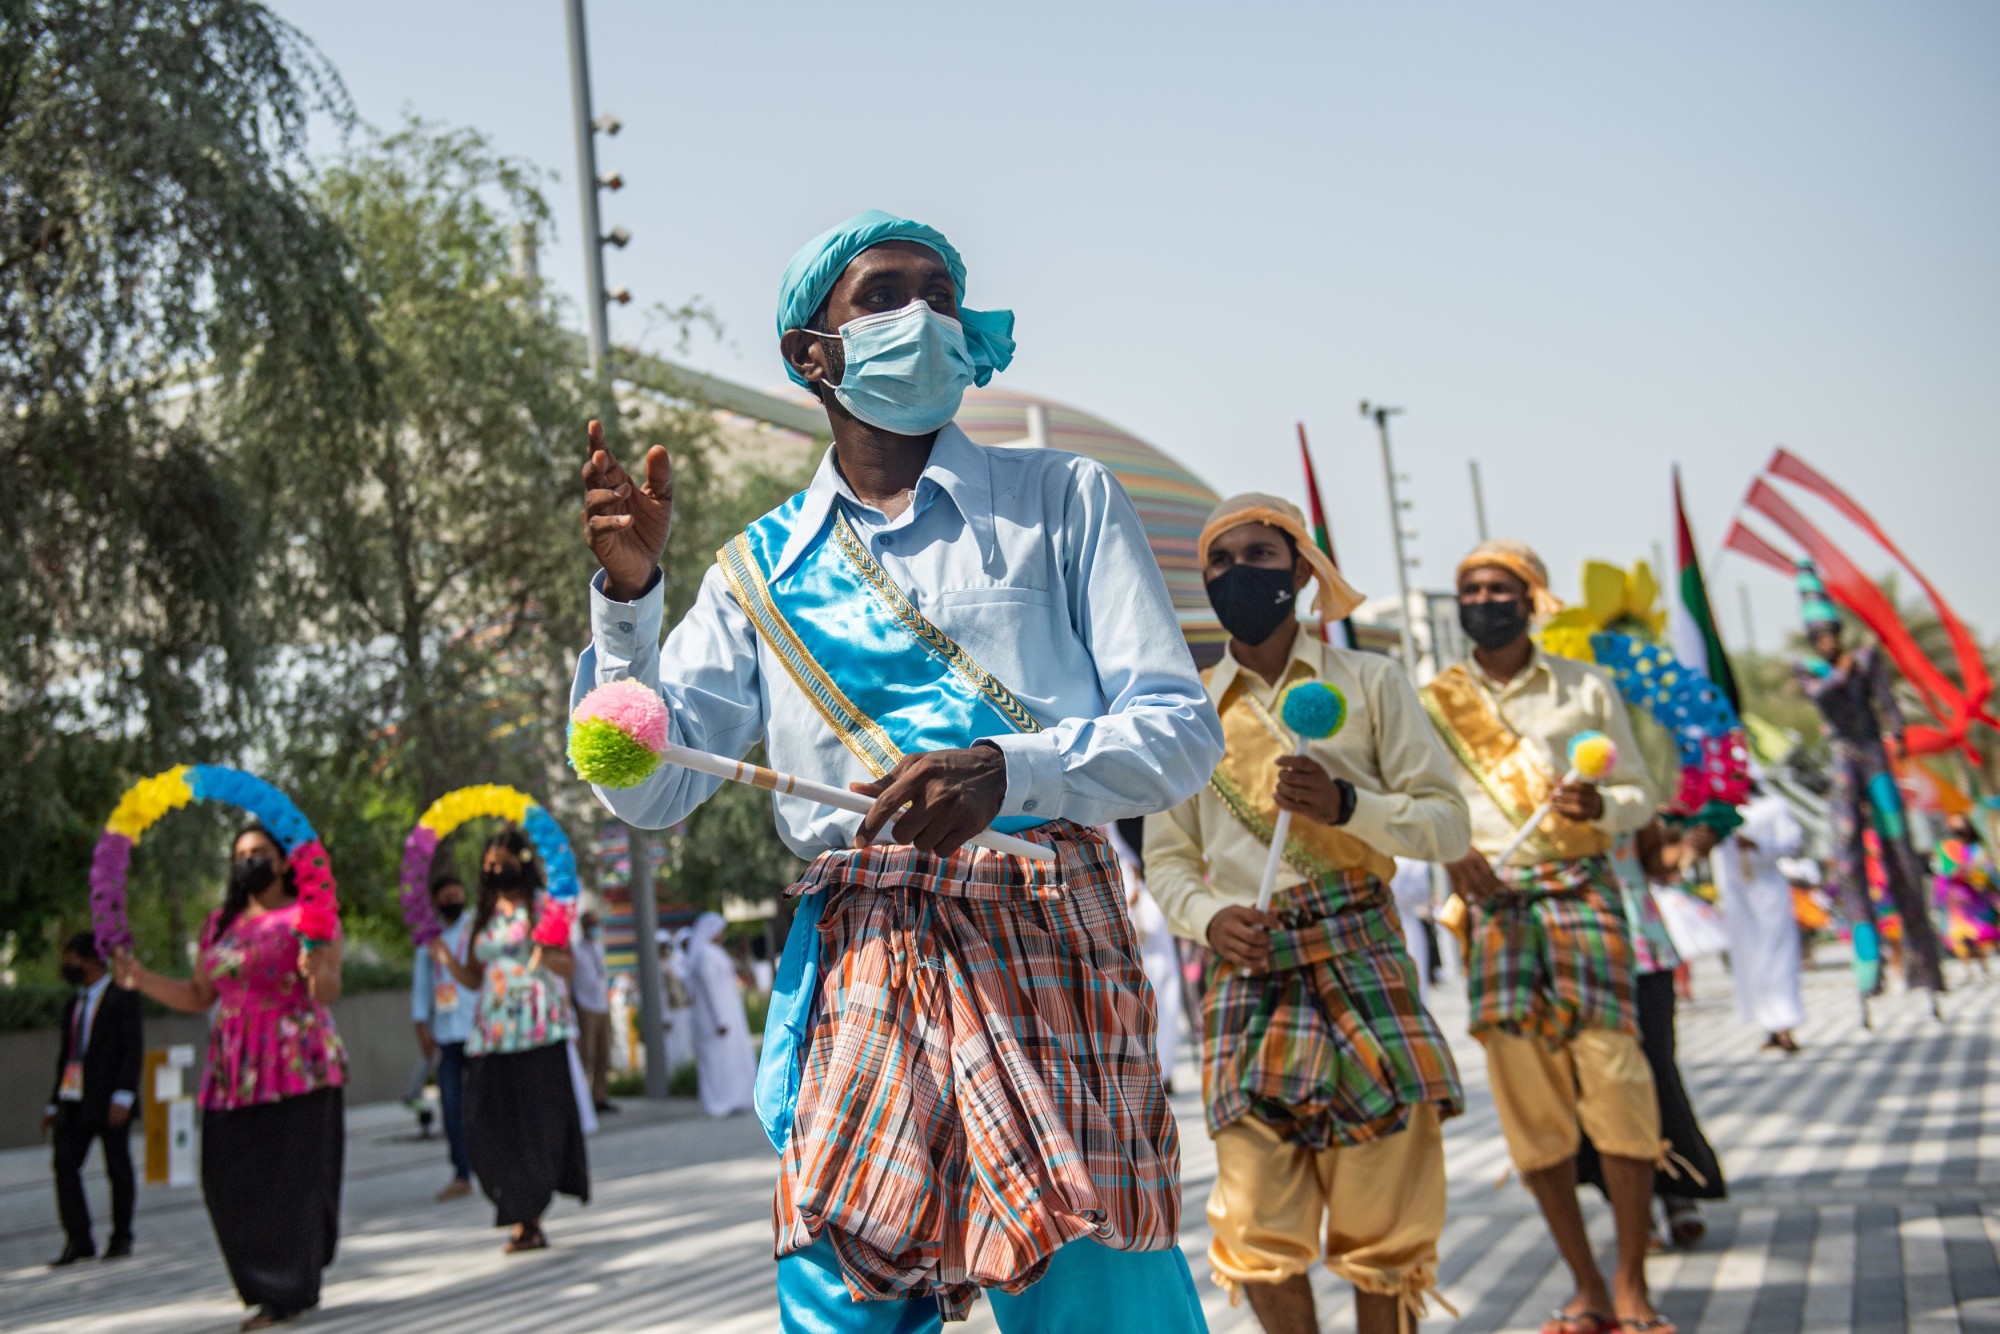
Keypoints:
pixel 1347 799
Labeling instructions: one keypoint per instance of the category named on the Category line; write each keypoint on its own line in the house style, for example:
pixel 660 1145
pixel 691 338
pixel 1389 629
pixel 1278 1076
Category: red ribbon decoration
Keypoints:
pixel 1956 708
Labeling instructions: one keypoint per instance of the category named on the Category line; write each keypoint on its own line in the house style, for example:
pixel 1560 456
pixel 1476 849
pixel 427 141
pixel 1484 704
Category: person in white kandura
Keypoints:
pixel 724 1064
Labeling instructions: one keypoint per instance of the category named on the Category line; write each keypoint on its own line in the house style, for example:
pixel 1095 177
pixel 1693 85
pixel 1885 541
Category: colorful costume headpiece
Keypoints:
pixel 1336 599
pixel 989 334
pixel 1518 559
pixel 1814 604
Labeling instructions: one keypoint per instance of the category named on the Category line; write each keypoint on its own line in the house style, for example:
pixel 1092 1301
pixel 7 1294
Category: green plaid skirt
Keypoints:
pixel 1552 957
pixel 1333 1044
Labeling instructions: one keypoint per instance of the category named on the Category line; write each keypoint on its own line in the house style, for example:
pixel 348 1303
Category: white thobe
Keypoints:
pixel 1757 914
pixel 1411 889
pixel 724 1063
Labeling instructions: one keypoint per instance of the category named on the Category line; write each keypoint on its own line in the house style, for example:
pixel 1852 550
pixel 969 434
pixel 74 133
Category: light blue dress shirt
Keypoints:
pixel 1034 561
pixel 451 1023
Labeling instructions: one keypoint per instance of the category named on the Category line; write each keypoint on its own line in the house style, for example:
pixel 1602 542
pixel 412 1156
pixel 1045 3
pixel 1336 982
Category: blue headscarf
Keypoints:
pixel 989 334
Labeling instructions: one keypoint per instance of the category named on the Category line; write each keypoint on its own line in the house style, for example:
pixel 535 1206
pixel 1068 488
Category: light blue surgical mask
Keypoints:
pixel 906 369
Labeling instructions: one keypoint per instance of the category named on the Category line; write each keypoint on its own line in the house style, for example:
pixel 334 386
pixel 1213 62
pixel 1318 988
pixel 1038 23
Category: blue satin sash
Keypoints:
pixel 886 680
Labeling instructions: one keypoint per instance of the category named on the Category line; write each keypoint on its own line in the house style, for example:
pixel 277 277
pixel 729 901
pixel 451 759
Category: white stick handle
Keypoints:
pixel 1534 822
pixel 754 775
pixel 1276 856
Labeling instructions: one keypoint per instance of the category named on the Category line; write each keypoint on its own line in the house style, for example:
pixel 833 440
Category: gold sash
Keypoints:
pixel 1507 769
pixel 1246 781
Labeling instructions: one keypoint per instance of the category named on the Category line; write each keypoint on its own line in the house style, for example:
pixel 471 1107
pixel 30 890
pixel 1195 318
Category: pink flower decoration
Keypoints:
pixel 634 709
pixel 552 931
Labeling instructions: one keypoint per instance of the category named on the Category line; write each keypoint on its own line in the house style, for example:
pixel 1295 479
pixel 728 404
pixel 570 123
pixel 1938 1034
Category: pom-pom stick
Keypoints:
pixel 646 726
pixel 1591 756
pixel 1313 710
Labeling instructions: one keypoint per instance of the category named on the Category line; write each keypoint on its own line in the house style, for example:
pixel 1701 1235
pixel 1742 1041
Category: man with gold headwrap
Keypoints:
pixel 1548 959
pixel 1324 1077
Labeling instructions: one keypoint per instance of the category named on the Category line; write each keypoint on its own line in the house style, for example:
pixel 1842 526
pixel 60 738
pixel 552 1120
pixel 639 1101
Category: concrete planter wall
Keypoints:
pixel 381 1052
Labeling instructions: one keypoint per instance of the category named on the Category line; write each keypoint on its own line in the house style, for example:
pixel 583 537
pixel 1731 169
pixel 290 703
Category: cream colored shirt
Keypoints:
pixel 1200 859
pixel 1548 702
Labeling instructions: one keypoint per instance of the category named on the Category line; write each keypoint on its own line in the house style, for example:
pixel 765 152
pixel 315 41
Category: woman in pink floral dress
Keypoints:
pixel 522 1127
pixel 273 1138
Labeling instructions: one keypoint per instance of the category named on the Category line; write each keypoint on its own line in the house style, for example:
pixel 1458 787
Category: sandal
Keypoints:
pixel 268 1316
pixel 1583 1322
pixel 529 1239
pixel 1657 1324
pixel 1686 1224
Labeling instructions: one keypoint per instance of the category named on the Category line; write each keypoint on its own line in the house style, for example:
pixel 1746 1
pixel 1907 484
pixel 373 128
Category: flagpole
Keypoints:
pixel 1478 499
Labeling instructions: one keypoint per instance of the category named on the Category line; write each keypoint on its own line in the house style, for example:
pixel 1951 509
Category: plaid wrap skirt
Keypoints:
pixel 1333 1045
pixel 1552 957
pixel 979 1087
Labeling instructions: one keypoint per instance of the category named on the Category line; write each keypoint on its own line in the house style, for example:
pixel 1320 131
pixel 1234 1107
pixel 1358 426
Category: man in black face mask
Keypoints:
pixel 442 1011
pixel 1548 957
pixel 97 1081
pixel 1320 1155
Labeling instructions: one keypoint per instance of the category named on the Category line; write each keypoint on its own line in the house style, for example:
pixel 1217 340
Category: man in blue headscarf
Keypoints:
pixel 958 1064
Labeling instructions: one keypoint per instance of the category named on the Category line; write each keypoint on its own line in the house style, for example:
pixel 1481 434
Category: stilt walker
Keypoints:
pixel 1864 728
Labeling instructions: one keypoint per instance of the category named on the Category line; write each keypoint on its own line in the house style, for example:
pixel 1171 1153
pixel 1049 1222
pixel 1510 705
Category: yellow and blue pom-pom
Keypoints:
pixel 1592 755
pixel 618 734
pixel 1314 710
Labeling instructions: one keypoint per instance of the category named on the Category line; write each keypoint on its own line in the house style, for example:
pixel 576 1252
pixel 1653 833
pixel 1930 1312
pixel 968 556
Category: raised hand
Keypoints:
pixel 125 969
pixel 626 524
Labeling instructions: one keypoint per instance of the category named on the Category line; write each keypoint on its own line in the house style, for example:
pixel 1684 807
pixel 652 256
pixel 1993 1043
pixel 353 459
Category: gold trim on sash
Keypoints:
pixel 1506 768
pixel 941 645
pixel 856 730
pixel 1253 742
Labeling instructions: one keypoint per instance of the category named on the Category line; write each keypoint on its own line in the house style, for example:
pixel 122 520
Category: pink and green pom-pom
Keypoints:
pixel 617 734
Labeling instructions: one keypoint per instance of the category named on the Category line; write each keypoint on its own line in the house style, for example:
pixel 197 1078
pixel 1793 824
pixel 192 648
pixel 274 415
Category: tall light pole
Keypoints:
pixel 1397 505
pixel 597 326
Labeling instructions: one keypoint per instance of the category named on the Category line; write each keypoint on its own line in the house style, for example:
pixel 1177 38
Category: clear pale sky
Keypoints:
pixel 1577 242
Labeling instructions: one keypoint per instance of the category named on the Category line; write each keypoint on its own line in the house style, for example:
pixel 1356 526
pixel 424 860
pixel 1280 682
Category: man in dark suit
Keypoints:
pixel 97 1081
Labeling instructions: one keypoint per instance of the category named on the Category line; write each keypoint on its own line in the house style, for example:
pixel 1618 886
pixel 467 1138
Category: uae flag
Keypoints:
pixel 1340 634
pixel 1690 620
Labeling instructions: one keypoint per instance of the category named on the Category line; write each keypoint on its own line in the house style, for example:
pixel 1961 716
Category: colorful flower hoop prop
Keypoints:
pixel 453 809
pixel 1616 627
pixel 150 798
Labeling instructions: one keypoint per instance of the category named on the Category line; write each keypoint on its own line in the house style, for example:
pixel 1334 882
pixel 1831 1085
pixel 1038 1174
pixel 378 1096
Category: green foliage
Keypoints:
pixel 155 220
pixel 684 1082
pixel 291 470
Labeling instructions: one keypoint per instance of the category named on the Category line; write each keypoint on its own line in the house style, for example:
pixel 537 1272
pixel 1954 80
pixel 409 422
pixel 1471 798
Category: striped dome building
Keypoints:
pixel 1172 502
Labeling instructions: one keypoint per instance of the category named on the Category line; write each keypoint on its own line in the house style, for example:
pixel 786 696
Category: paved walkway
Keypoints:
pixel 1865 1198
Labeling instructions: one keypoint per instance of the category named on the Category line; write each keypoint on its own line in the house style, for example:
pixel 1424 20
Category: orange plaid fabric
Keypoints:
pixel 980 1086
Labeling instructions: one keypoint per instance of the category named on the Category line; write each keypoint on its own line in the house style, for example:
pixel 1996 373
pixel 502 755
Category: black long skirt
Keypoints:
pixel 1655 995
pixel 270 1175
pixel 523 1131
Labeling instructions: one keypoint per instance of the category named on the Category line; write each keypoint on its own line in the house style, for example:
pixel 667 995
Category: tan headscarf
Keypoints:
pixel 1518 559
pixel 1336 598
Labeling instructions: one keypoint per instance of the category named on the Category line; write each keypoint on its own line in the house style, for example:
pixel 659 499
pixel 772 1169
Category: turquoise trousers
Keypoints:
pixel 1088 1289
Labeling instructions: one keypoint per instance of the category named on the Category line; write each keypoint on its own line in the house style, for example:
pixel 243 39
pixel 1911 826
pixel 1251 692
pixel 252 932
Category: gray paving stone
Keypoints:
pixel 1865 1196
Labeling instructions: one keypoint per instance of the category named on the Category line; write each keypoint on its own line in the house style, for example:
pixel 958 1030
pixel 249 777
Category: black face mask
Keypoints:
pixel 511 878
pixel 1493 625
pixel 1252 602
pixel 72 973
pixel 252 875
pixel 450 912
